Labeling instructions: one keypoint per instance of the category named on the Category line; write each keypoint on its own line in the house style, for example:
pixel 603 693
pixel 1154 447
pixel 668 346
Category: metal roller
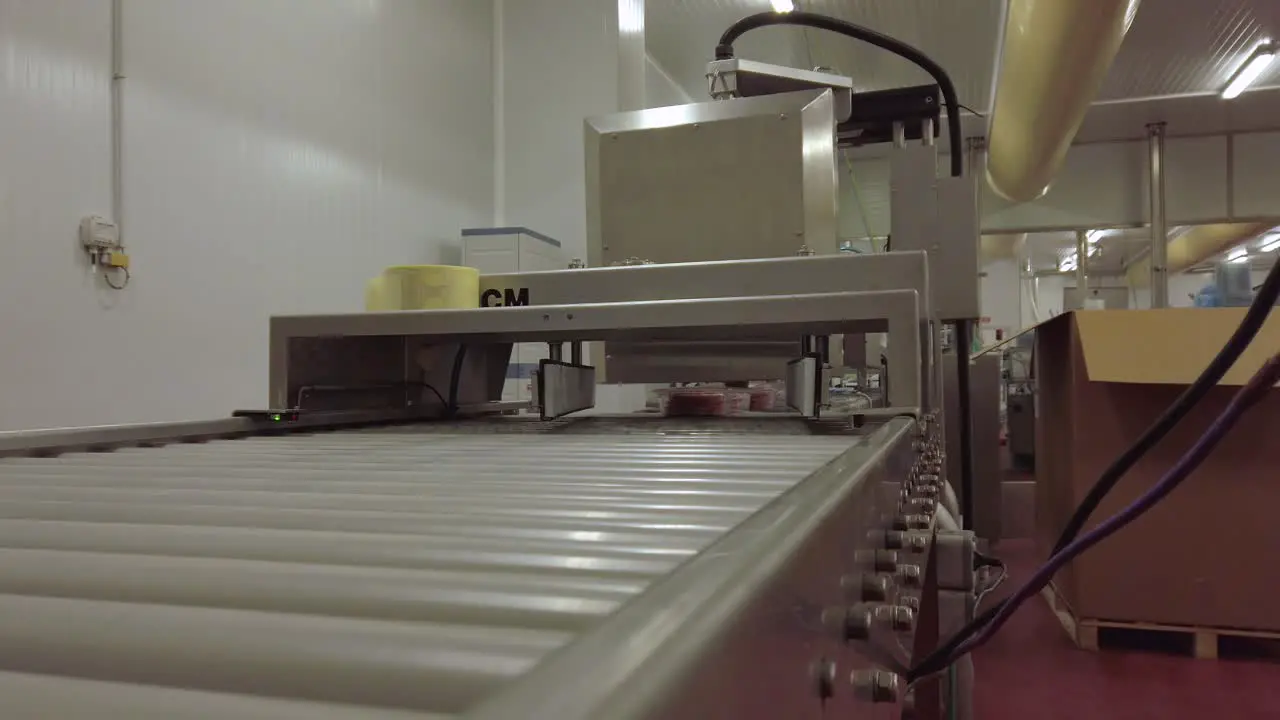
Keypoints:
pixel 398 483
pixel 417 666
pixel 40 697
pixel 436 492
pixel 495 599
pixel 323 548
pixel 633 531
pixel 548 505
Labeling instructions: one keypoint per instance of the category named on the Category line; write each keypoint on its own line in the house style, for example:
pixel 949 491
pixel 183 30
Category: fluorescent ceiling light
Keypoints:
pixel 1270 244
pixel 783 5
pixel 1093 236
pixel 1238 255
pixel 1250 71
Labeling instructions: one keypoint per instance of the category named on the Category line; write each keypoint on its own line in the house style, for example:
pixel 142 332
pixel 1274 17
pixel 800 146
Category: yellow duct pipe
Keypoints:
pixel 1196 245
pixel 1056 54
pixel 1001 246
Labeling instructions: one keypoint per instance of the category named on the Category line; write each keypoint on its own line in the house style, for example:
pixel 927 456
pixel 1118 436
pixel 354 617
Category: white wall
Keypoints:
pixel 660 90
pixel 276 154
pixel 559 66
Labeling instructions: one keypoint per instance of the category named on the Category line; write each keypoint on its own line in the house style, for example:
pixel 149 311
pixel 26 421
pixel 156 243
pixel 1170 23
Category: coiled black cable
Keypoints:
pixel 724 51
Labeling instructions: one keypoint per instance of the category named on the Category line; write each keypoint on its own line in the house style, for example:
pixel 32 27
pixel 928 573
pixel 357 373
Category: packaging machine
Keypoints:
pixel 383 539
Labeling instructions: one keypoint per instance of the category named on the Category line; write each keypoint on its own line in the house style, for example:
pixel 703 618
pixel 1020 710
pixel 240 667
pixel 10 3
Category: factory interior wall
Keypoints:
pixel 276 154
pixel 660 90
pixel 559 68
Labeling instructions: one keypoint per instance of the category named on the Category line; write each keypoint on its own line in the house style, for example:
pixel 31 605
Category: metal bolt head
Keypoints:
pixel 823 673
pixel 909 575
pixel 888 539
pixel 917 543
pixel 877 686
pixel 851 623
pixel 877 560
pixel 898 617
pixel 867 587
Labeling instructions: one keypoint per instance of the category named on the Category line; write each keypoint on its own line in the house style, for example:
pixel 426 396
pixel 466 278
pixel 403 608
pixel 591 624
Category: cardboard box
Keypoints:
pixel 1205 556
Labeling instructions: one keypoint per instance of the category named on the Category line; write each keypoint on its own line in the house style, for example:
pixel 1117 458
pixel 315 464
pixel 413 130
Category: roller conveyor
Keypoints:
pixel 417 568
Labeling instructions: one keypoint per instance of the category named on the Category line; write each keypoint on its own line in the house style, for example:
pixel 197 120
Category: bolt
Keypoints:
pixel 899 617
pixel 926 490
pixel 823 673
pixel 917 543
pixel 877 686
pixel 920 506
pixel 911 602
pixel 869 587
pixel 909 575
pixel 888 539
pixel 878 560
pixel 912 522
pixel 853 623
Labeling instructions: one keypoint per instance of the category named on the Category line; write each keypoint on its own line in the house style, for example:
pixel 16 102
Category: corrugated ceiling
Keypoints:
pixel 1179 47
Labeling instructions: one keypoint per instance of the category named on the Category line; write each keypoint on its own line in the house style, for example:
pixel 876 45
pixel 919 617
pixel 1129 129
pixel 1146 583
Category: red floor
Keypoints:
pixel 1031 670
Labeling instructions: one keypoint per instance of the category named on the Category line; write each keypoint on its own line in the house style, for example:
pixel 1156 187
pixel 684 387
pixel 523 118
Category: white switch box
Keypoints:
pixel 99 233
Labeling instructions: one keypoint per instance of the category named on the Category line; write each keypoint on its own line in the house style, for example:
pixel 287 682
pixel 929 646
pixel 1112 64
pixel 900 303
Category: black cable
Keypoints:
pixel 1212 374
pixel 724 51
pixel 961 342
pixel 455 379
pixel 124 283
pixel 971 110
pixel 443 403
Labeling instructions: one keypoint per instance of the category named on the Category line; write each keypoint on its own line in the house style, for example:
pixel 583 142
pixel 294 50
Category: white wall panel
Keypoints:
pixel 560 66
pixel 1257 174
pixel 1195 186
pixel 660 89
pixel 277 153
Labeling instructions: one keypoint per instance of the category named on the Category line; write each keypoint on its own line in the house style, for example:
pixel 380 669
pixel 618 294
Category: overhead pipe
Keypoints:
pixel 1194 246
pixel 1056 54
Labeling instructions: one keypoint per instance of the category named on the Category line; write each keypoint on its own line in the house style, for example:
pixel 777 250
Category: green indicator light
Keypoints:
pixel 277 417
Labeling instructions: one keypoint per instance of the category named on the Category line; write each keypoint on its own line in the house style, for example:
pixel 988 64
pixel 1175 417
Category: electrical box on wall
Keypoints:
pixel 98 233
pixel 504 250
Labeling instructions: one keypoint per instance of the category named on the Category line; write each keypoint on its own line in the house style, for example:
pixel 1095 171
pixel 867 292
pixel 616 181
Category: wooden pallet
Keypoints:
pixel 1199 642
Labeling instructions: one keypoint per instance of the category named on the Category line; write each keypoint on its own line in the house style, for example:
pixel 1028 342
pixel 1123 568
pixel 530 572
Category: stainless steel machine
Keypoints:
pixel 384 539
